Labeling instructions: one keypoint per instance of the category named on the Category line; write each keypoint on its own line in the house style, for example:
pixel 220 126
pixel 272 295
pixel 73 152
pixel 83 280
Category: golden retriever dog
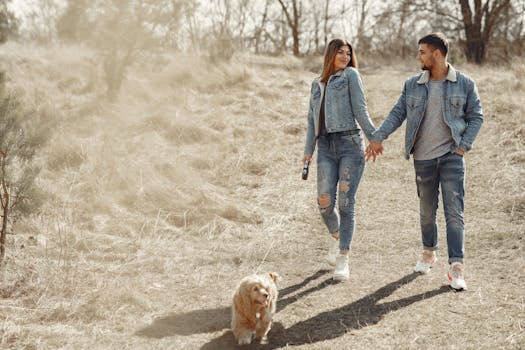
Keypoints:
pixel 254 303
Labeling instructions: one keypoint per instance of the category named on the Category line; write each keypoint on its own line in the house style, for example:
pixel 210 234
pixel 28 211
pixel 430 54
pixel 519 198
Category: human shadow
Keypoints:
pixel 282 303
pixel 335 323
pixel 216 319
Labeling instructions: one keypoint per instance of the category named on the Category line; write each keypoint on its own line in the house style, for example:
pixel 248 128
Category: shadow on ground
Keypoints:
pixel 213 320
pixel 335 323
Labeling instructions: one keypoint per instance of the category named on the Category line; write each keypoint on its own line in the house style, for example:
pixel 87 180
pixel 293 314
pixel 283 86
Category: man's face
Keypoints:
pixel 425 57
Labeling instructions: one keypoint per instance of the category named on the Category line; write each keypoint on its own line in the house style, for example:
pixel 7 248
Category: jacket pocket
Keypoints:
pixel 339 84
pixel 414 102
pixel 457 105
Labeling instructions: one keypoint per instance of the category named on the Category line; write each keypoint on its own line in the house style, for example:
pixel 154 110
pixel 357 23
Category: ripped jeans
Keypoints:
pixel 340 166
pixel 447 172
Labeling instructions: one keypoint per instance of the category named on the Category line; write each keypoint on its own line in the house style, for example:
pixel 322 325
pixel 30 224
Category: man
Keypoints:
pixel 443 113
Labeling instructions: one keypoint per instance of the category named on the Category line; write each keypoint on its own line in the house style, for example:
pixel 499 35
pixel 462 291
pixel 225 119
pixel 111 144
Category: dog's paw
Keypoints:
pixel 245 340
pixel 264 340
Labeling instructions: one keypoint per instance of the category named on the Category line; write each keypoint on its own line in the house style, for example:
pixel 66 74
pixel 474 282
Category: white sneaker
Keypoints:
pixel 333 250
pixel 341 271
pixel 426 261
pixel 455 276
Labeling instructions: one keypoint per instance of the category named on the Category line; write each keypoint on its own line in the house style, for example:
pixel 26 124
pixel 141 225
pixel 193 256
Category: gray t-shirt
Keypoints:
pixel 433 138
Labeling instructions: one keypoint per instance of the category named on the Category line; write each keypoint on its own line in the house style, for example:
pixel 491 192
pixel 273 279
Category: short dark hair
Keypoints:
pixel 436 40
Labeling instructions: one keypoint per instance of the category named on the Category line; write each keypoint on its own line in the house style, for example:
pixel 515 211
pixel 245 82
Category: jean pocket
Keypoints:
pixel 355 142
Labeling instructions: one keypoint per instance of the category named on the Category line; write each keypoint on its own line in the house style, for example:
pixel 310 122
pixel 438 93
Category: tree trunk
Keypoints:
pixel 475 51
pixel 361 27
pixel 295 34
pixel 325 24
pixel 5 212
pixel 479 26
pixel 293 23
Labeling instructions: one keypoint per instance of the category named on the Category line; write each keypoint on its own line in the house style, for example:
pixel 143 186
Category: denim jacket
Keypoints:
pixel 461 109
pixel 344 104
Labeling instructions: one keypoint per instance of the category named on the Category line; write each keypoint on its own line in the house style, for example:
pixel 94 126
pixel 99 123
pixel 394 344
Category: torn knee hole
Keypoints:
pixel 323 200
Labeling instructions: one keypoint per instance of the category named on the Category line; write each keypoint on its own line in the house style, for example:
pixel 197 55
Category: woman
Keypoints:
pixel 337 106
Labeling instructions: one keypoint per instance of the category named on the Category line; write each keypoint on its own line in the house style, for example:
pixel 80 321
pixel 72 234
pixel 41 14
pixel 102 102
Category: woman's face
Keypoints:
pixel 342 57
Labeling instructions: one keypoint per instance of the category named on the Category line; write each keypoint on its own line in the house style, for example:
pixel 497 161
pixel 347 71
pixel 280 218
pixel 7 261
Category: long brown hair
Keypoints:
pixel 329 57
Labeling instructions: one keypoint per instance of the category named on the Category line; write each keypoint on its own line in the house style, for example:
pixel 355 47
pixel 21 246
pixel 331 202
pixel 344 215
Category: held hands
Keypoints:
pixel 373 150
pixel 459 151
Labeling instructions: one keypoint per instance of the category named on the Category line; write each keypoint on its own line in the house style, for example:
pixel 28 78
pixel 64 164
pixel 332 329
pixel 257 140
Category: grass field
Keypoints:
pixel 158 204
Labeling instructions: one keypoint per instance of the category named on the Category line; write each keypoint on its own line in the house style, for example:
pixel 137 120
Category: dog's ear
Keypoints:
pixel 274 276
pixel 242 298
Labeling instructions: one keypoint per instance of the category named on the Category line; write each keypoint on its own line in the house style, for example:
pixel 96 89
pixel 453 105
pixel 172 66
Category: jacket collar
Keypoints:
pixel 336 74
pixel 451 75
pixel 339 72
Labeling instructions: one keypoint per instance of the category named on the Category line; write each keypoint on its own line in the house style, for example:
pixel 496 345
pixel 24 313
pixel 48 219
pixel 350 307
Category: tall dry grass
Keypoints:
pixel 156 204
pixel 166 165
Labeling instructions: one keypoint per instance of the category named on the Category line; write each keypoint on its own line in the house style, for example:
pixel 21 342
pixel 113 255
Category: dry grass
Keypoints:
pixel 158 204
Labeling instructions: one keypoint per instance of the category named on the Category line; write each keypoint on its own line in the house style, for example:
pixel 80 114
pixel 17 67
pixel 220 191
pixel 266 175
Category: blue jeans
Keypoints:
pixel 340 165
pixel 447 171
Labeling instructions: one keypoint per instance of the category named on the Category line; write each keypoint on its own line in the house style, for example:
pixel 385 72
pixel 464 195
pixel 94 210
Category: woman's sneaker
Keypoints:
pixel 426 261
pixel 341 272
pixel 455 276
pixel 333 250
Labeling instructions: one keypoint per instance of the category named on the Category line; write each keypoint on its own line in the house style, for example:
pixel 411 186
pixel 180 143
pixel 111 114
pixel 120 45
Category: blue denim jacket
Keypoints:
pixel 344 104
pixel 461 109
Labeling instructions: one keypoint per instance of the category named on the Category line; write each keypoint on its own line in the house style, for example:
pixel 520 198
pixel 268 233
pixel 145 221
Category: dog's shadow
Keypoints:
pixel 335 323
pixel 213 320
pixel 193 322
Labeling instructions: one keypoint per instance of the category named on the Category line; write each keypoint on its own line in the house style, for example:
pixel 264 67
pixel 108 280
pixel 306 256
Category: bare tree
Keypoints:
pixel 519 28
pixel 222 30
pixel 8 22
pixel 316 27
pixel 188 12
pixel 361 41
pixel 390 27
pixel 73 20
pixel 477 21
pixel 41 20
pixel 330 14
pixel 293 12
pixel 259 27
pixel 480 23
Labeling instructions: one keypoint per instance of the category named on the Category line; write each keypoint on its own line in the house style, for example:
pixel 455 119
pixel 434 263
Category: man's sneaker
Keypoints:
pixel 333 250
pixel 455 276
pixel 341 272
pixel 426 261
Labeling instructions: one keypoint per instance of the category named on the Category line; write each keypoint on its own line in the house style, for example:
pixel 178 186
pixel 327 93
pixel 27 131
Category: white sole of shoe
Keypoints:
pixel 422 271
pixel 341 278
